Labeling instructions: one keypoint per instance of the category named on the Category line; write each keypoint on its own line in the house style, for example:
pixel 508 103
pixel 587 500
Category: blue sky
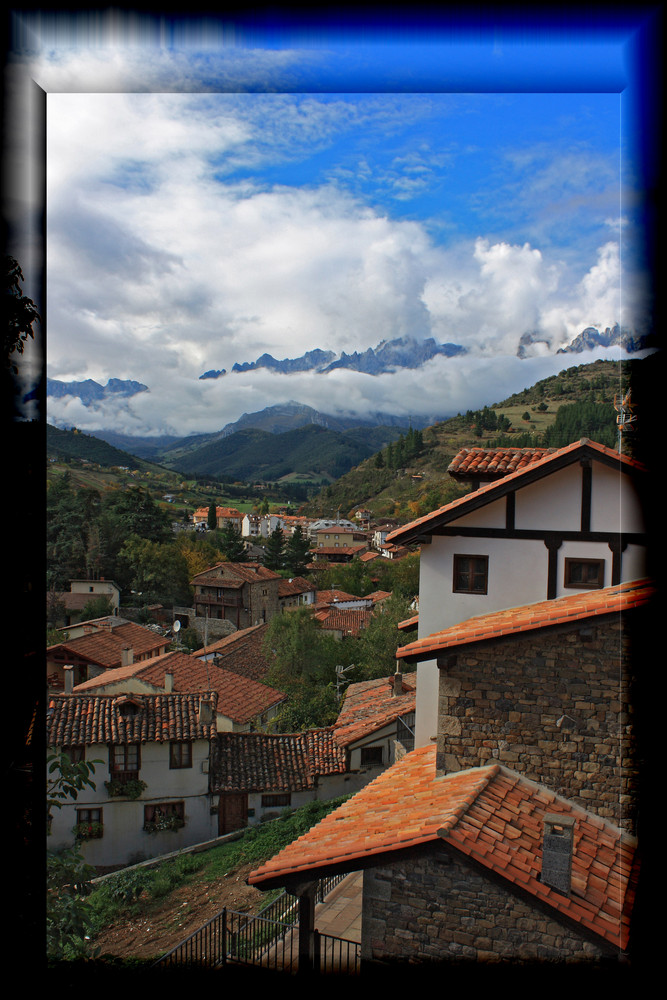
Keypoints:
pixel 213 199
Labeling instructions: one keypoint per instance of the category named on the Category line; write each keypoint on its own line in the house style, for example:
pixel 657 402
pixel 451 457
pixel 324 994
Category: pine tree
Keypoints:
pixel 212 519
pixel 274 553
pixel 297 552
pixel 231 543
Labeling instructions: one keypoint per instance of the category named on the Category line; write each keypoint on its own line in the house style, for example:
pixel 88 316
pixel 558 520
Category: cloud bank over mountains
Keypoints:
pixel 190 232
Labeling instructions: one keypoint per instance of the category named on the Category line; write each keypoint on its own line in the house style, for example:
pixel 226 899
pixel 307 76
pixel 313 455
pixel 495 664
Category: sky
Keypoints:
pixel 209 201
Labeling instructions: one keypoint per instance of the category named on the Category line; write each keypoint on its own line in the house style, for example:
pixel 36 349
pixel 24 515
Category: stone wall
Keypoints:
pixel 552 705
pixel 431 905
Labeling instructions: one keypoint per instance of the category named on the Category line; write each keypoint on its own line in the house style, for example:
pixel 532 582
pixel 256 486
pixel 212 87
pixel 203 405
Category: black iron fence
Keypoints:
pixel 268 939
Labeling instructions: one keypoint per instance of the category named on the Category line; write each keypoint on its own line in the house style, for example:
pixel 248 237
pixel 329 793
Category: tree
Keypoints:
pixel 274 553
pixel 20 314
pixel 97 607
pixel 297 552
pixel 377 644
pixel 157 571
pixel 212 519
pixel 231 543
pixel 67 873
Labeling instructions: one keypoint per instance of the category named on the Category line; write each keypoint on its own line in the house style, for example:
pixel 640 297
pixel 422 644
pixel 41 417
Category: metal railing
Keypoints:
pixel 331 954
pixel 269 939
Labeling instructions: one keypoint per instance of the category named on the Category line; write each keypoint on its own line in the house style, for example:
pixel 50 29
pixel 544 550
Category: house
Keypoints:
pixel 256 775
pixel 224 516
pixel 376 721
pixel 296 592
pixel 81 593
pixel 482 865
pixel 243 704
pixel 570 520
pixel 514 838
pixel 343 622
pixel 242 652
pixel 150 754
pixel 241 593
pixel 110 643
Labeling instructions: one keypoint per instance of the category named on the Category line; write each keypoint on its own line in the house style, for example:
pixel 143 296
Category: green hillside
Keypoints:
pixel 312 452
pixel 578 402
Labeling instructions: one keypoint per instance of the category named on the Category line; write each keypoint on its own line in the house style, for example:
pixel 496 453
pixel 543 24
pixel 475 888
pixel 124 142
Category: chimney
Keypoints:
pixel 126 656
pixel 205 711
pixel 169 683
pixel 68 672
pixel 397 682
pixel 557 845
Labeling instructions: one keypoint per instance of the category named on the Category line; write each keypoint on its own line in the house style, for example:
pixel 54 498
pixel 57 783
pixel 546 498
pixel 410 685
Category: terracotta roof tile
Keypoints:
pixel 511 621
pixel 104 646
pixel 86 719
pixel 371 705
pixel 409 532
pixel 279 762
pixel 409 804
pixel 241 652
pixel 235 574
pixel 240 698
pixel 493 463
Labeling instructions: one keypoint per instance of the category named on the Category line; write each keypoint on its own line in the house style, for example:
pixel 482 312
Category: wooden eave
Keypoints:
pixel 509 484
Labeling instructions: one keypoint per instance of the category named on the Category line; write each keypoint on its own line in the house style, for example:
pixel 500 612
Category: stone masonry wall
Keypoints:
pixel 503 702
pixel 433 906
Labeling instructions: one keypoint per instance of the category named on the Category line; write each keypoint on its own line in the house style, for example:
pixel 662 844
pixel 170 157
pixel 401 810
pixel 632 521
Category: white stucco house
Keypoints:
pixel 151 760
pixel 569 521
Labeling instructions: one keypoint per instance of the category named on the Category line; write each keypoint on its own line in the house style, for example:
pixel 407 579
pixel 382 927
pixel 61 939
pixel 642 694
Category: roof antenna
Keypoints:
pixel 626 418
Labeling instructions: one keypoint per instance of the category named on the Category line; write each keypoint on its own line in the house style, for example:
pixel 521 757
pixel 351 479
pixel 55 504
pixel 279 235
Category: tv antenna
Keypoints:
pixel 626 418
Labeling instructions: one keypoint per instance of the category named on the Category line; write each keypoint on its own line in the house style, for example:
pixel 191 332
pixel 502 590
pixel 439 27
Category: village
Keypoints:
pixel 491 773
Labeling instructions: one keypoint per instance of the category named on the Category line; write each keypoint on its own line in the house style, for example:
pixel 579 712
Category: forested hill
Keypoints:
pixel 409 477
pixel 76 444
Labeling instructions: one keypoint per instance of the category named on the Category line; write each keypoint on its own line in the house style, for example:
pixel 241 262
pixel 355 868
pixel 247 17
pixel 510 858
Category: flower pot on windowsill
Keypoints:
pixel 165 823
pixel 88 831
pixel 125 789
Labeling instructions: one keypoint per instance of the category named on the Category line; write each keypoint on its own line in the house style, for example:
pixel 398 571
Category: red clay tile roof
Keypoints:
pixel 492 463
pixel 234 574
pixel 511 621
pixel 85 719
pixel 255 762
pixel 104 647
pixel 371 705
pixel 348 620
pixel 241 652
pixel 331 596
pixel 296 585
pixel 490 491
pixel 239 698
pixel 409 624
pixel 493 816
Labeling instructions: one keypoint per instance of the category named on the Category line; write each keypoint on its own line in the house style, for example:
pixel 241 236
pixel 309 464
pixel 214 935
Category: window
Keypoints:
pixel 279 799
pixel 88 824
pixel 75 754
pixel 587 573
pixel 180 755
pixel 471 574
pixel 124 762
pixel 164 816
pixel 371 756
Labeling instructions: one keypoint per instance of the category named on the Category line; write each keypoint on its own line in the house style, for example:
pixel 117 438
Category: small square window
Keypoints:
pixel 584 573
pixel 180 755
pixel 278 799
pixel 164 816
pixel 88 824
pixel 471 574
pixel 371 756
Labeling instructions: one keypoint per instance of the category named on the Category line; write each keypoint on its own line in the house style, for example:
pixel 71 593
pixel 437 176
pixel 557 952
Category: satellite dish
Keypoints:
pixel 176 626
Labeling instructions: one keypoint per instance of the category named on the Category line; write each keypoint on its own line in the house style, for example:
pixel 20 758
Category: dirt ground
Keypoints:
pixel 165 924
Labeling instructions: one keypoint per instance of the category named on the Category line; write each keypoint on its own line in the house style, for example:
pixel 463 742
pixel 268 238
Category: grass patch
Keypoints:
pixel 128 893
